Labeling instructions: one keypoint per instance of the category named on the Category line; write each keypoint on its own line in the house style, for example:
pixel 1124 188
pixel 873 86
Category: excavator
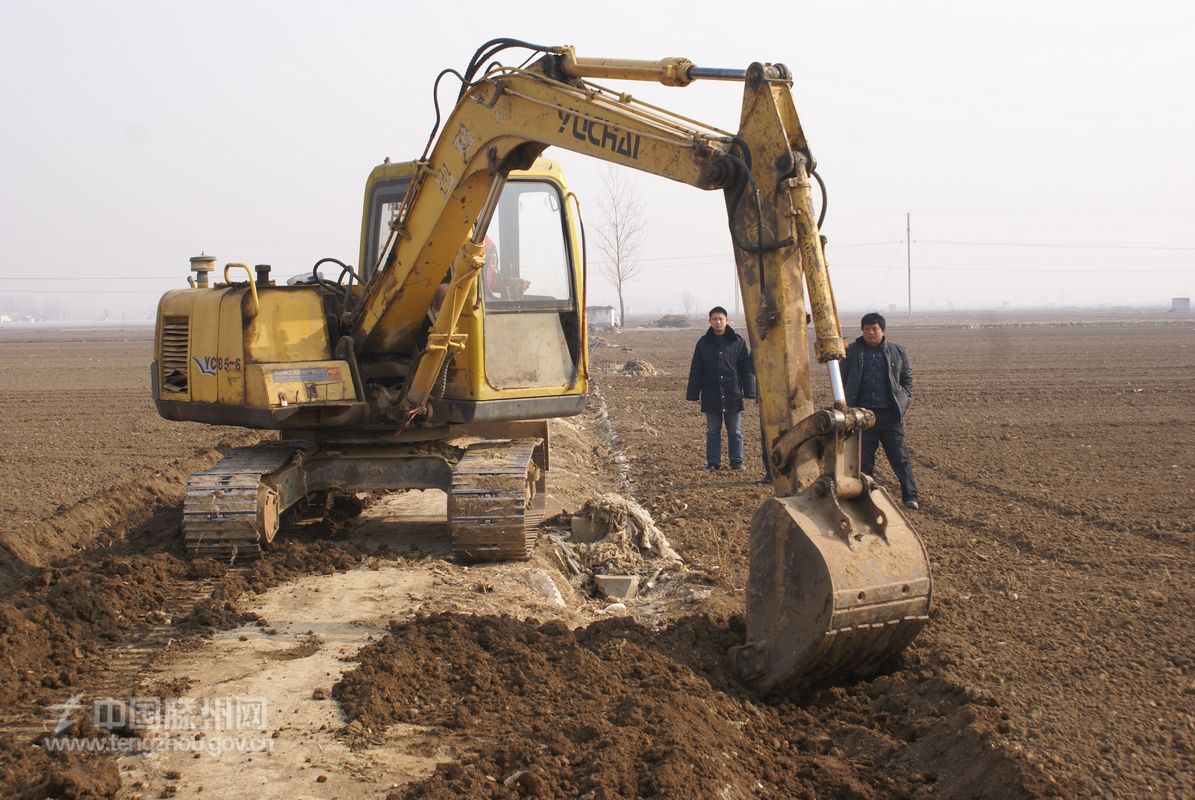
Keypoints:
pixel 439 360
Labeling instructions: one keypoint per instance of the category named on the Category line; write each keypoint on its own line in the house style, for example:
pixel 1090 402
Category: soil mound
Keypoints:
pixel 32 773
pixel 54 631
pixel 98 519
pixel 638 367
pixel 671 321
pixel 615 710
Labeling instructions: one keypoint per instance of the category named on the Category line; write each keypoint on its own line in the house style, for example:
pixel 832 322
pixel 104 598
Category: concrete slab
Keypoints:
pixel 617 587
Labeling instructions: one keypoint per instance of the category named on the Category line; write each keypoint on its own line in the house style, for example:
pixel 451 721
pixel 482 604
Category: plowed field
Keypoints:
pixel 1055 463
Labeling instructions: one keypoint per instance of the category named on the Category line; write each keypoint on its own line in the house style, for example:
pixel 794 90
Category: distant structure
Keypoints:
pixel 1180 305
pixel 601 318
pixel 671 321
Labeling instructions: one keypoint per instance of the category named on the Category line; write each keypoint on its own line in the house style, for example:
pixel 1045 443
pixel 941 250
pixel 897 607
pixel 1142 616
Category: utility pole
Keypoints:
pixel 909 258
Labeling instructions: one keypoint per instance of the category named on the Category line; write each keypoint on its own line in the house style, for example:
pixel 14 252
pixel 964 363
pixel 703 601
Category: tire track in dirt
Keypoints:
pixel 609 436
pixel 1002 533
pixel 1005 493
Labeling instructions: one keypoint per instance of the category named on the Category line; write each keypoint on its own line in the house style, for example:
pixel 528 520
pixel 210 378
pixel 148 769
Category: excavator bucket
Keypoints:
pixel 835 588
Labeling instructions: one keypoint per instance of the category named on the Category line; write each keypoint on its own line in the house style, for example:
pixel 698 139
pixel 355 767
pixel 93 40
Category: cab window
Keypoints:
pixel 384 200
pixel 526 258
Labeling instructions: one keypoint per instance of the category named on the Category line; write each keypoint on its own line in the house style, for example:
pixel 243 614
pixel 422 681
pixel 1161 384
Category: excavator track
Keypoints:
pixel 497 501
pixel 495 493
pixel 228 512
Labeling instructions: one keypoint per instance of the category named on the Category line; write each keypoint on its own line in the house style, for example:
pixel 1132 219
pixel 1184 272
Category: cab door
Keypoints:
pixel 531 320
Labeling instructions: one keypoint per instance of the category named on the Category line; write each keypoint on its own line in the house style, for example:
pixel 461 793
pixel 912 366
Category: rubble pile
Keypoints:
pixel 638 367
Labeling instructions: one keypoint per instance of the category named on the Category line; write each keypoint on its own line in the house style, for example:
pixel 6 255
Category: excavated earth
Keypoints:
pixel 1054 458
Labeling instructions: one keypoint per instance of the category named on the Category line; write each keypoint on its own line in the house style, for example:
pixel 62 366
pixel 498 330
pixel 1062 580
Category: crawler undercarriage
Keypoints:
pixel 495 489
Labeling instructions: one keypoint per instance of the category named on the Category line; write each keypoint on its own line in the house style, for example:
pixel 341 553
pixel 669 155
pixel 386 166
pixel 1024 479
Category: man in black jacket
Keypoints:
pixel 877 375
pixel 720 376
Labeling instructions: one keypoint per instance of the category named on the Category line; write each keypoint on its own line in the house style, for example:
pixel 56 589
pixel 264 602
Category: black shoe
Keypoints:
pixel 712 468
pixel 736 467
pixel 912 505
pixel 764 481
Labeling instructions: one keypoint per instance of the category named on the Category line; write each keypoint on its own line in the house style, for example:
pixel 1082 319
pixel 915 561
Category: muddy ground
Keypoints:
pixel 1055 466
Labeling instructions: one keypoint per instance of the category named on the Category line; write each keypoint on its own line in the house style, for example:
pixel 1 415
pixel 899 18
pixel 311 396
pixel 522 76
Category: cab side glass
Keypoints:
pixel 527 262
pixel 384 202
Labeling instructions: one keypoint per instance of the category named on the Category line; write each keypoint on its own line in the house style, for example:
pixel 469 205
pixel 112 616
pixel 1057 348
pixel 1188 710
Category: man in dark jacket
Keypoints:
pixel 877 375
pixel 720 376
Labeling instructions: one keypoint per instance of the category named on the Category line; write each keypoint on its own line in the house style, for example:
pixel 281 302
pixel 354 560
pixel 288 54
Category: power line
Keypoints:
pixel 91 278
pixel 695 260
pixel 878 288
pixel 724 256
pixel 834 267
pixel 934 274
pixel 835 246
pixel 56 292
pixel 1077 270
pixel 1056 244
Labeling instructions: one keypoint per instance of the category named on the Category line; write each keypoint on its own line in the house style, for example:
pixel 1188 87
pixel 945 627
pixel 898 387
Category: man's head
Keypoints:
pixel 718 320
pixel 873 328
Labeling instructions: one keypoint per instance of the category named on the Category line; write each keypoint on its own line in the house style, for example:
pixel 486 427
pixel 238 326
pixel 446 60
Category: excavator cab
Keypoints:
pixel 523 319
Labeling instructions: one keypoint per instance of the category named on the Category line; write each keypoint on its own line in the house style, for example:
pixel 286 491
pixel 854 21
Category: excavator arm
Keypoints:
pixel 839 581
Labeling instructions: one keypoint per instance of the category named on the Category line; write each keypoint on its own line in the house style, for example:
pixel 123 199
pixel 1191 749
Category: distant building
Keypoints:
pixel 601 317
pixel 1180 305
pixel 5 318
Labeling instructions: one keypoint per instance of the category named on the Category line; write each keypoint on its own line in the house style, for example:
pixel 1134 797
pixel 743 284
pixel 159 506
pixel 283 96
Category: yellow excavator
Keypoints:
pixel 437 363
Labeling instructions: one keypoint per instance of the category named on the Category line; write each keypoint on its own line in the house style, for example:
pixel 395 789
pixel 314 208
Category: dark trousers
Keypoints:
pixel 890 430
pixel 763 446
pixel 713 437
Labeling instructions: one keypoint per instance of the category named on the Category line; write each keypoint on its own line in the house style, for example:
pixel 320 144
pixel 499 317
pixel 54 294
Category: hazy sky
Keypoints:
pixel 136 134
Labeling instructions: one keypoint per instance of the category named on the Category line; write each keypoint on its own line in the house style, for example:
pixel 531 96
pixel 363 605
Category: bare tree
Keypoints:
pixel 620 235
pixel 690 303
